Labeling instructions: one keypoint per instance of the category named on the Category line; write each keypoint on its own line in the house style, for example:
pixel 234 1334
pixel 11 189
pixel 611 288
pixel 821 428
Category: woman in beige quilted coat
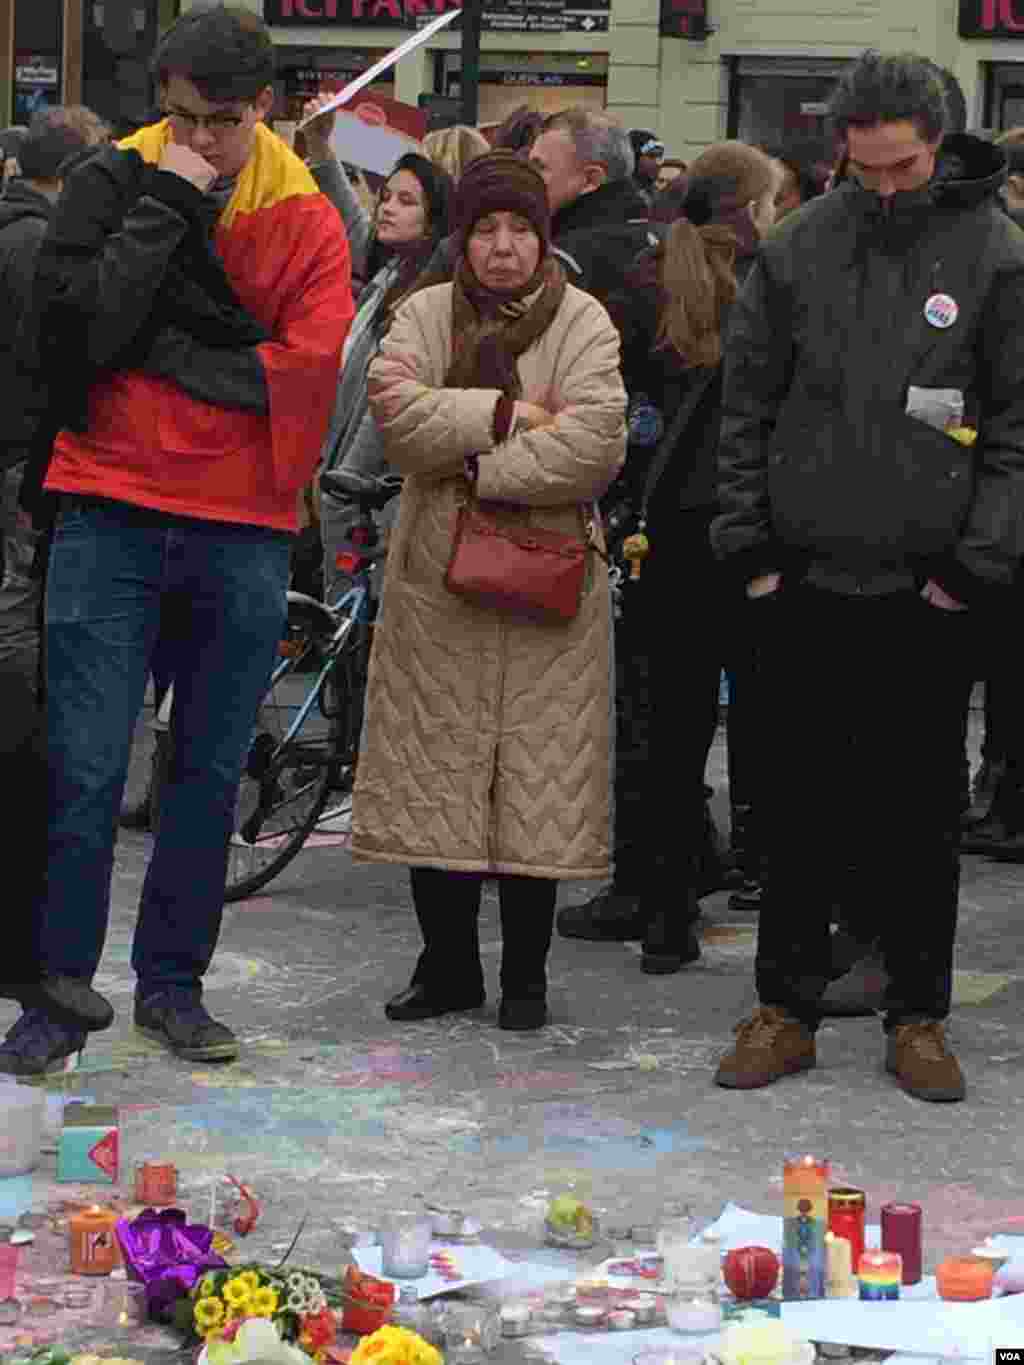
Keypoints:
pixel 487 746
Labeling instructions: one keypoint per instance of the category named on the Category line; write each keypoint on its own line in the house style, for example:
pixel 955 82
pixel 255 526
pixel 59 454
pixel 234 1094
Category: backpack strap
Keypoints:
pixel 666 446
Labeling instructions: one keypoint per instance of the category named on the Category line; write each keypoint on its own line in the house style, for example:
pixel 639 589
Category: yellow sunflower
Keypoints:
pixel 234 1293
pixel 208 1313
pixel 249 1278
pixel 264 1303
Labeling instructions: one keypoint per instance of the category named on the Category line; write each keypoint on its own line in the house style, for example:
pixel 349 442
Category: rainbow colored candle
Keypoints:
pixel 805 1221
pixel 880 1274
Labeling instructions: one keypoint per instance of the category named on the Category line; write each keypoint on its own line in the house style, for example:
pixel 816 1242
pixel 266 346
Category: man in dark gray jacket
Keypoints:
pixel 872 506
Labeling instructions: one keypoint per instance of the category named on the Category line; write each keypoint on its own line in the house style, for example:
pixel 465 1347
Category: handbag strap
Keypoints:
pixel 668 443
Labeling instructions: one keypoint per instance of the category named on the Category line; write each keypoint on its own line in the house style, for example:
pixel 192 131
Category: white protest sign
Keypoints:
pixel 411 43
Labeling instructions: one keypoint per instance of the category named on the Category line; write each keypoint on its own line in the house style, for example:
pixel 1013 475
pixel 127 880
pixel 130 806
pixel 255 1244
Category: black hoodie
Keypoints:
pixel 24 215
pixel 821 469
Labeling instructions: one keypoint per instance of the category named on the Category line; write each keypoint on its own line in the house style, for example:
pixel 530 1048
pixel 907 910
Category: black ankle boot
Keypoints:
pixel 670 942
pixel 416 1002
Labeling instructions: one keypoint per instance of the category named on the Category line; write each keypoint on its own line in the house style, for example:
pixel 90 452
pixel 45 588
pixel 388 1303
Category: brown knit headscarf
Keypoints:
pixel 491 329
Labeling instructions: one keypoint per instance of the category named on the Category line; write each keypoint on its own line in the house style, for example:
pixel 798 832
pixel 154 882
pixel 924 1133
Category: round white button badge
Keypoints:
pixel 941 311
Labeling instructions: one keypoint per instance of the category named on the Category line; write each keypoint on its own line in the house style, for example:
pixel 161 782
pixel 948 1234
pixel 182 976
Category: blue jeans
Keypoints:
pixel 120 579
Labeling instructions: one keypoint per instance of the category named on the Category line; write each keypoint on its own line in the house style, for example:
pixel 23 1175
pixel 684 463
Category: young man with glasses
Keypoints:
pixel 193 296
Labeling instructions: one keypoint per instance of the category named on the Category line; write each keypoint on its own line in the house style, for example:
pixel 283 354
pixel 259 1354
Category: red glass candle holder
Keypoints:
pixel 846 1210
pixel 901 1231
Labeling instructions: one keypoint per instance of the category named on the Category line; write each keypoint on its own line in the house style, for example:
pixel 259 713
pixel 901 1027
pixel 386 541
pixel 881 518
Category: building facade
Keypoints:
pixel 692 70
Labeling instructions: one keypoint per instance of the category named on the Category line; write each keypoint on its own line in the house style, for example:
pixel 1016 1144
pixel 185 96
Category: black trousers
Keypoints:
pixel 448 909
pixel 692 626
pixel 23 764
pixel 848 685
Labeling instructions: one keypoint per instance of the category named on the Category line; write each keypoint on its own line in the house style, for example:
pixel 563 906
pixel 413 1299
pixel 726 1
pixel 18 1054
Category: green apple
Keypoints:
pixel 564 1212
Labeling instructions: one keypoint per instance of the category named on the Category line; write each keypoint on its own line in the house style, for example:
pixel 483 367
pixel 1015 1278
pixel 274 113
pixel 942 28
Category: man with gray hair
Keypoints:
pixel 587 164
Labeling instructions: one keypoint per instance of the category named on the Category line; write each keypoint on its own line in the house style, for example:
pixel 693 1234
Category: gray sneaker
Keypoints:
pixel 37 1045
pixel 177 1018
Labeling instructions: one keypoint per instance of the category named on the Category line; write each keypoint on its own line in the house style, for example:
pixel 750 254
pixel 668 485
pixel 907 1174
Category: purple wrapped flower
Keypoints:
pixel 167 1256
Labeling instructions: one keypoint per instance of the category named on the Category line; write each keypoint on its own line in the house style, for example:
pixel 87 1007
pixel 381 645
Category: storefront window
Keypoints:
pixel 546 82
pixel 306 71
pixel 774 102
pixel 1004 96
pixel 118 37
pixel 37 58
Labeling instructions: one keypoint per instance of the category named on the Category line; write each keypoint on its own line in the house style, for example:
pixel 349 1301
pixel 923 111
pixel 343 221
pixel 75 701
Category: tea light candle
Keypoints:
pixel 515 1320
pixel 880 1274
pixel 94 1249
pixel 621 1319
pixel 125 1305
pixel 693 1315
pixel 588 1315
pixel 645 1306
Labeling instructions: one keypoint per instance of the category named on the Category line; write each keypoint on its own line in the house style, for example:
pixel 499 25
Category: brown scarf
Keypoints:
pixel 491 331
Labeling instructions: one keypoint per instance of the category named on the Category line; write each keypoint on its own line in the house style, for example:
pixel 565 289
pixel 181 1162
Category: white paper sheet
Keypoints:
pixel 396 54
pixel 367 146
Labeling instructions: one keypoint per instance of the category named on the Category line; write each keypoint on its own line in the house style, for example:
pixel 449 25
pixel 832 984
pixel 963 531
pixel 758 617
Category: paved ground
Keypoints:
pixel 334 1113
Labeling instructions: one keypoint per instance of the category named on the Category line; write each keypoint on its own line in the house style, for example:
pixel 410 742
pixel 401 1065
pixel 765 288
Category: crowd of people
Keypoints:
pixel 755 416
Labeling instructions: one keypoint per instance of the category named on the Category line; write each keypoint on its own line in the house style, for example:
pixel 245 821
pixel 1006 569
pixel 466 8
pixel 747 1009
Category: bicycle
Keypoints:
pixel 306 741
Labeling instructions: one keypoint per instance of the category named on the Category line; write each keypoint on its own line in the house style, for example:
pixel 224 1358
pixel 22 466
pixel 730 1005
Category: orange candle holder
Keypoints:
pixel 156 1183
pixel 93 1241
pixel 964 1279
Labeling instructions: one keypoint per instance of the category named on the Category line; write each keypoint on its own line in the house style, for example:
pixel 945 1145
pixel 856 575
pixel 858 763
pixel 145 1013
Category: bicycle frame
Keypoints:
pixel 356 599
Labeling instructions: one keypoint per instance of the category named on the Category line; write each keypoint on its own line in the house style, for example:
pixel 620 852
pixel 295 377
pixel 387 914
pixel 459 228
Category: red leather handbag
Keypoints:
pixel 525 571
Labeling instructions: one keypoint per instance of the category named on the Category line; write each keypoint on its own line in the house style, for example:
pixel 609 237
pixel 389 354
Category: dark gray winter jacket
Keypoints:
pixel 820 466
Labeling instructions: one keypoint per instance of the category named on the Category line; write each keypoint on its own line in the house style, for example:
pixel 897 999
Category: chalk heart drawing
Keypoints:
pixel 227 970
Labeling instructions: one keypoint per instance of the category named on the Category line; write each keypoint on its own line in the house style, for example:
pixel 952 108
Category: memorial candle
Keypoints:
pixel 839 1281
pixel 901 1231
pixel 879 1275
pixel 805 1215
pixel 94 1249
pixel 846 1207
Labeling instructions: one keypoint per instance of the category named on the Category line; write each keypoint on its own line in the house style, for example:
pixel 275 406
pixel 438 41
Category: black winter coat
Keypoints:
pixel 818 460
pixel 24 215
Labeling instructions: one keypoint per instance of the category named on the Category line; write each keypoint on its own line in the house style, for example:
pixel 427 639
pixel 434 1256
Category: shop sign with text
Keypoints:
pixel 992 19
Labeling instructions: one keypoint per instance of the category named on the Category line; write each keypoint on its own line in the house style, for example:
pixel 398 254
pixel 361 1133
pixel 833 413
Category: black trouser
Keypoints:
pixel 847 685
pixel 691 625
pixel 448 908
pixel 23 764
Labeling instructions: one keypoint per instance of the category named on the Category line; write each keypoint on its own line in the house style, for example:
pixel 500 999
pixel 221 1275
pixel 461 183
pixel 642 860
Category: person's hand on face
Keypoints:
pixel 318 133
pixel 189 165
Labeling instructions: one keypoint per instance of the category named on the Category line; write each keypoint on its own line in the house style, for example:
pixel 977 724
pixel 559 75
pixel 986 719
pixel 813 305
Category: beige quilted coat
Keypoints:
pixel 488 740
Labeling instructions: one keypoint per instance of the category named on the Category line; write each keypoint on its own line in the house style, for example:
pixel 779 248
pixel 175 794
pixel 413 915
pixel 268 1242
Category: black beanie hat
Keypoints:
pixel 46 148
pixel 502 182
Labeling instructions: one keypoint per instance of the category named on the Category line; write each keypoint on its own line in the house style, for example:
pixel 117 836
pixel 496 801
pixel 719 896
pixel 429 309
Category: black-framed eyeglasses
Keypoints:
pixel 214 123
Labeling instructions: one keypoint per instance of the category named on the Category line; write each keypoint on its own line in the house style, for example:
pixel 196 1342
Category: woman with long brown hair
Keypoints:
pixel 672 318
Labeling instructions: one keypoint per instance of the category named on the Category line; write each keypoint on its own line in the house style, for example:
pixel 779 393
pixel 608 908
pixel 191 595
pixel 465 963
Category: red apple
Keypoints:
pixel 751 1272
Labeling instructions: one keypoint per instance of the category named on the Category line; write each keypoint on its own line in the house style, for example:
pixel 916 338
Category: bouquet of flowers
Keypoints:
pixel 395 1346
pixel 239 1313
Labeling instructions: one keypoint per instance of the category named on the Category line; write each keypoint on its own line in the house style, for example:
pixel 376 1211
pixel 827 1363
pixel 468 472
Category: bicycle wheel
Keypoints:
pixel 286 781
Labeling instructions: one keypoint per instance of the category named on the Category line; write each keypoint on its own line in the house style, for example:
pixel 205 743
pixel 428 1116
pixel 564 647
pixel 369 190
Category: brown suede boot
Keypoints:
pixel 917 1054
pixel 769 1045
